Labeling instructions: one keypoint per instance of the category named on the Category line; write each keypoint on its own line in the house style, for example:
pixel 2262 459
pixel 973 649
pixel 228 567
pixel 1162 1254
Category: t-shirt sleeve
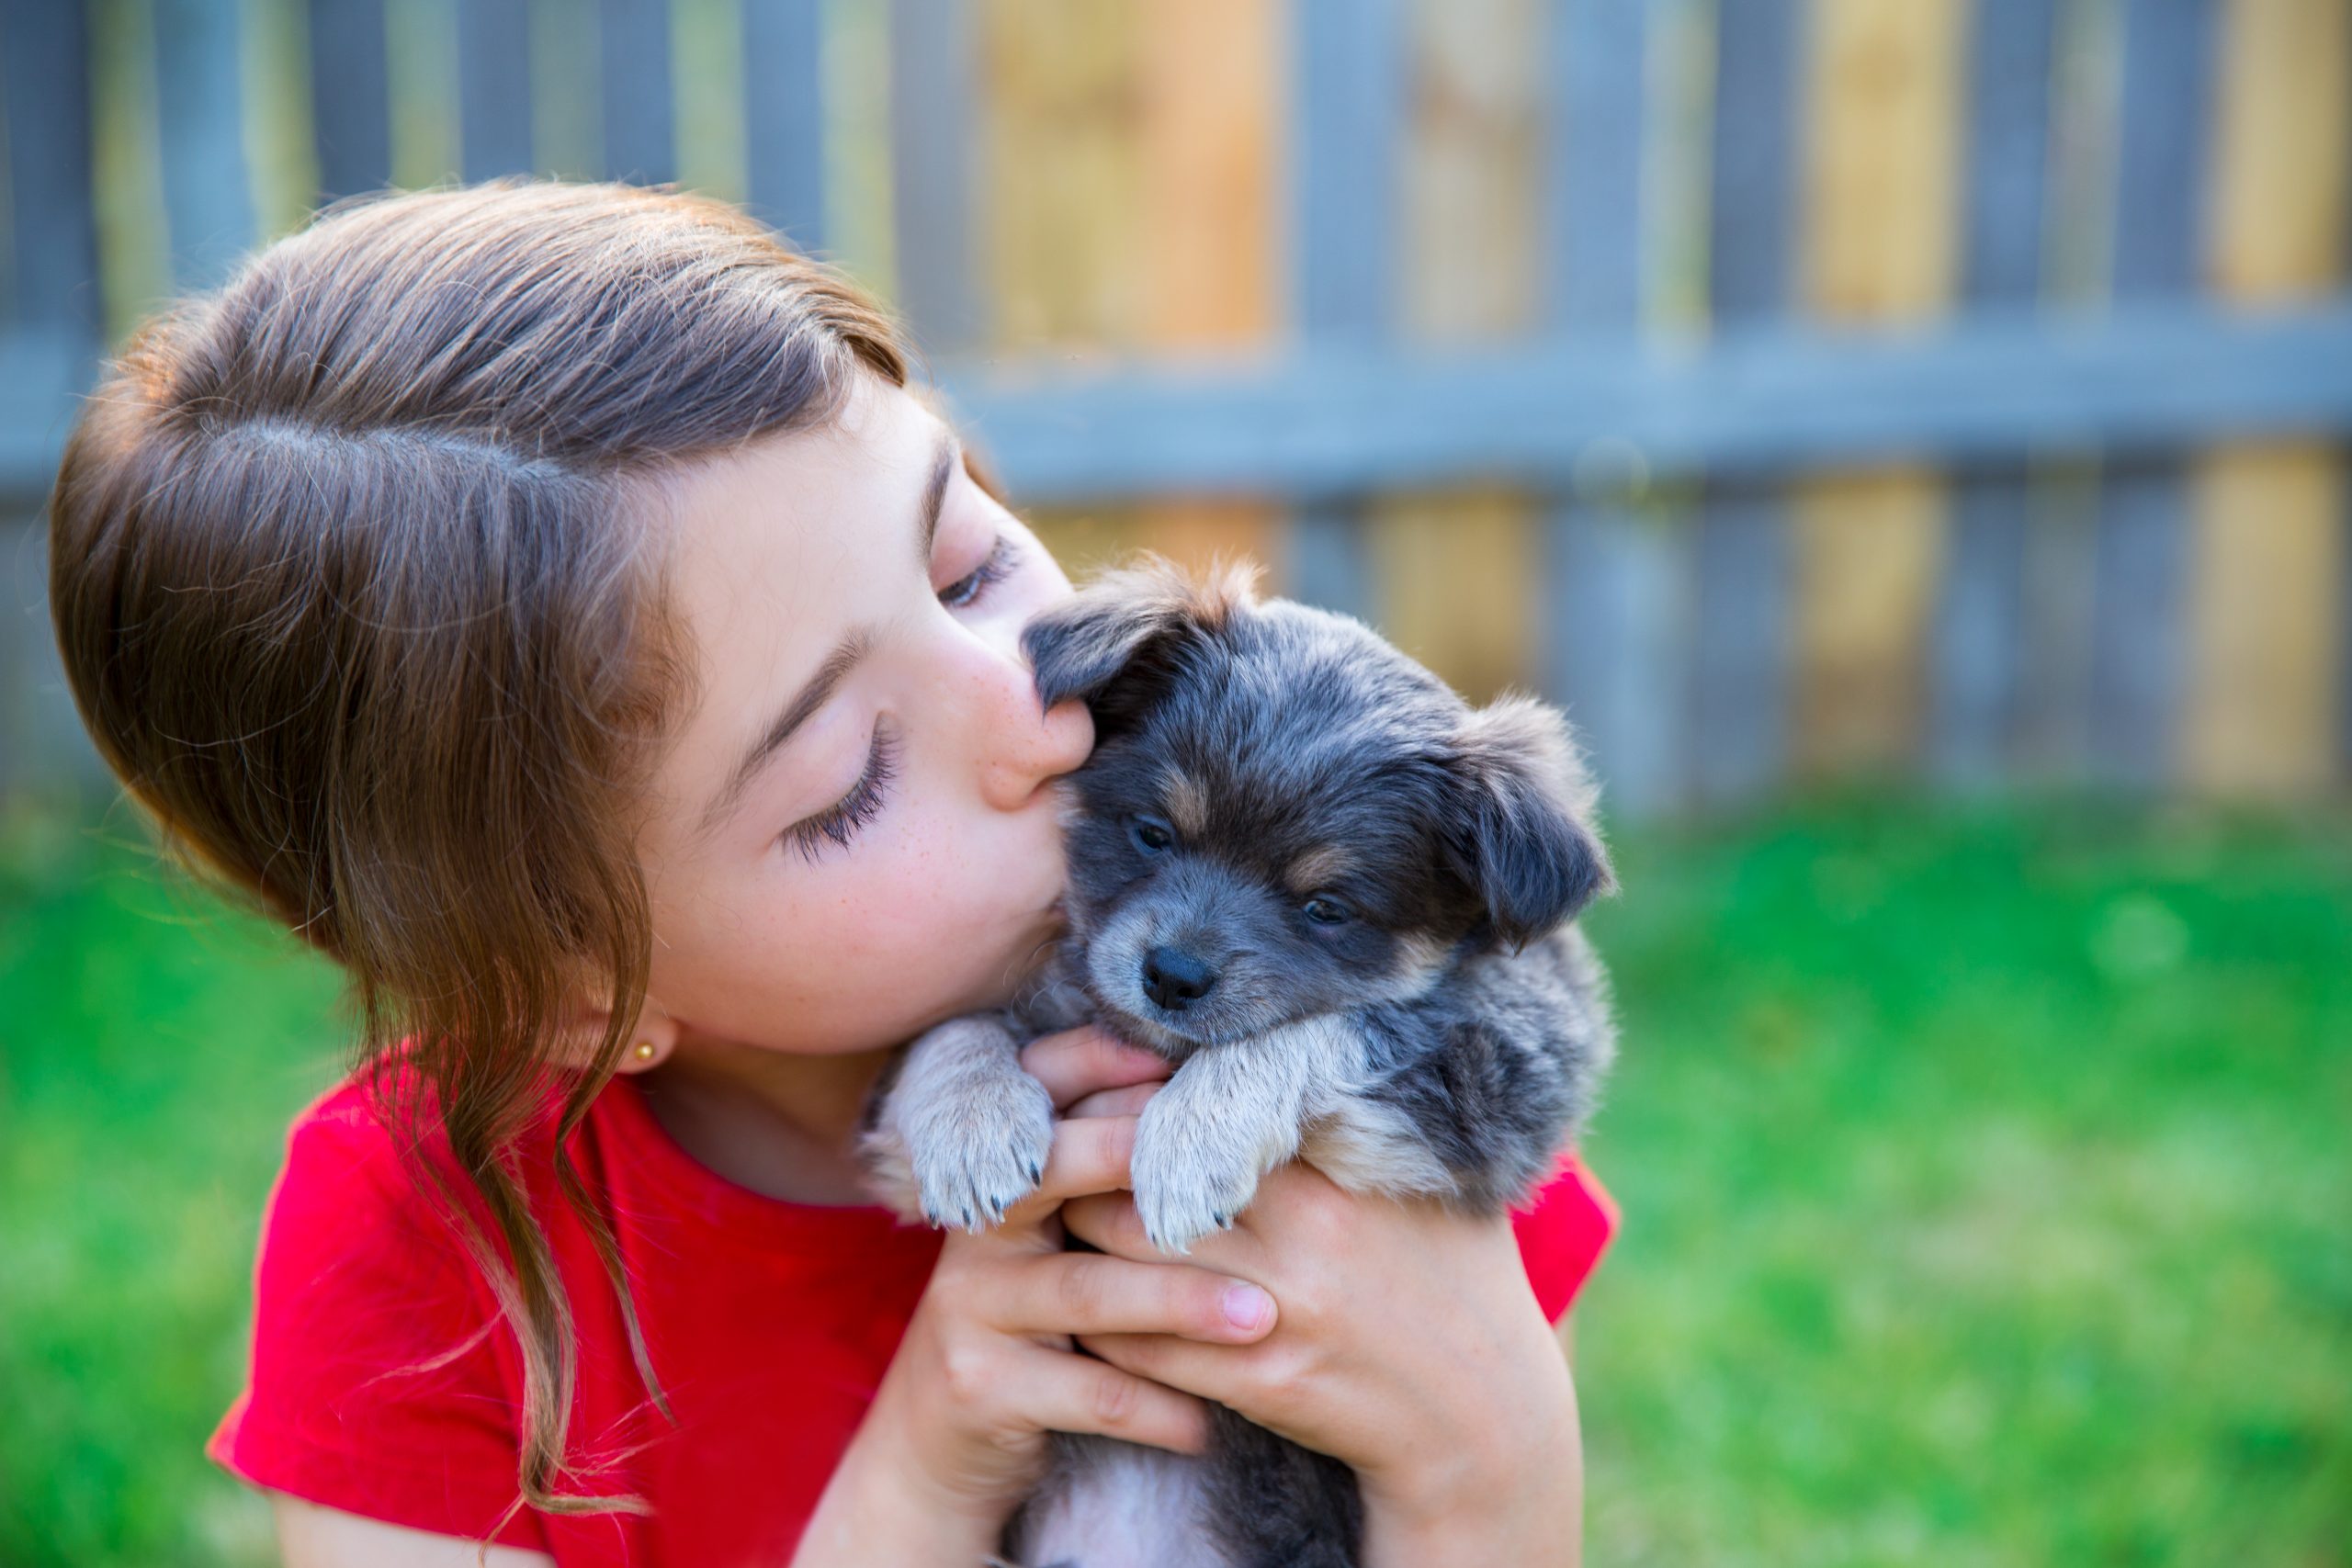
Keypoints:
pixel 1563 1231
pixel 376 1387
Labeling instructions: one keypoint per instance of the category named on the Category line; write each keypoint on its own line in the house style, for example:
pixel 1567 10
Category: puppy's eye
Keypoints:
pixel 1151 835
pixel 1326 911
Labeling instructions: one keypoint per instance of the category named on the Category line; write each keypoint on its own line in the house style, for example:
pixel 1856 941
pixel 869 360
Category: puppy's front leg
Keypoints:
pixel 1231 1113
pixel 963 1131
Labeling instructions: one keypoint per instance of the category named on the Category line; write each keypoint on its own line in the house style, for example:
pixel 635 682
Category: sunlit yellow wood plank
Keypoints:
pixel 2263 706
pixel 1454 574
pixel 1880 246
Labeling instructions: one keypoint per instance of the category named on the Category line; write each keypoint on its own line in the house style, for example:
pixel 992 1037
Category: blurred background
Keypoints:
pixel 1906 433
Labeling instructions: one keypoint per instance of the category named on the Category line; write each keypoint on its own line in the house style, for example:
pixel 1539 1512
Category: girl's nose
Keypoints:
pixel 1028 748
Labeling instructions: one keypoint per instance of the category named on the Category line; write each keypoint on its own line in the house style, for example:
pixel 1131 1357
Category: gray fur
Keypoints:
pixel 1356 951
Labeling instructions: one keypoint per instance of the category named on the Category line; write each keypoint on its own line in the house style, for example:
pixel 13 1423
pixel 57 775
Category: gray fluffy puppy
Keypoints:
pixel 1336 896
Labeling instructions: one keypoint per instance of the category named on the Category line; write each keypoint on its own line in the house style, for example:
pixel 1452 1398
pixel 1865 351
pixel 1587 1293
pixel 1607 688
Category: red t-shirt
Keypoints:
pixel 769 1323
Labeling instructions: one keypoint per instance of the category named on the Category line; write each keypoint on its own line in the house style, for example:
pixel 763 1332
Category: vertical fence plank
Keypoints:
pixel 1210 86
pixel 199 106
pixel 933 122
pixel 1738 743
pixel 1610 620
pixel 494 87
pixel 1062 205
pixel 46 91
pixel 2136 635
pixel 1348 97
pixel 641 129
pixel 784 113
pixel 1880 230
pixel 1062 222
pixel 351 116
pixel 1455 576
pixel 52 227
pixel 1974 726
pixel 2267 534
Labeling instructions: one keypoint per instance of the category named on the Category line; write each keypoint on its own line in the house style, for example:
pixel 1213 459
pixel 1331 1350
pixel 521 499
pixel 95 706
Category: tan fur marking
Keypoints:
pixel 1319 867
pixel 1188 805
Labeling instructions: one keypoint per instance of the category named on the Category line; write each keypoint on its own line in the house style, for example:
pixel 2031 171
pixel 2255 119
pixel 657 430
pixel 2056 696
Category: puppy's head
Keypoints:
pixel 1284 815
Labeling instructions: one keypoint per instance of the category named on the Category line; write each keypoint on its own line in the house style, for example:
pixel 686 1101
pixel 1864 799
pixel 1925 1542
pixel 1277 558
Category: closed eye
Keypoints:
pixel 839 823
pixel 974 585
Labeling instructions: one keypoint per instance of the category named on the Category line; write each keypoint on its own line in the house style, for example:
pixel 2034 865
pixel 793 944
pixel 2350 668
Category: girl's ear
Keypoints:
pixel 1127 627
pixel 1525 842
pixel 649 1044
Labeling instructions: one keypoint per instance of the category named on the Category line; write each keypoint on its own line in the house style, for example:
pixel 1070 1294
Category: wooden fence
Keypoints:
pixel 1795 390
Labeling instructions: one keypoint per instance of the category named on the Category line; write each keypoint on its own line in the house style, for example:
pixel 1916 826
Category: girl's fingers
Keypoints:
pixel 1109 1221
pixel 1076 1062
pixel 1079 1292
pixel 1167 1361
pixel 1064 1392
pixel 1127 1101
pixel 1088 1156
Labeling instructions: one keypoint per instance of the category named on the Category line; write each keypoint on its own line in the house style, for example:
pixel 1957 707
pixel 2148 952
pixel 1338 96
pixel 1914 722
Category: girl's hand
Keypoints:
pixel 955 1435
pixel 1410 1345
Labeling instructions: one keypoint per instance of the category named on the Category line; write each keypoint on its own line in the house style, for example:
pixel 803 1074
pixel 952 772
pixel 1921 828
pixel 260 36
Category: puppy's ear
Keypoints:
pixel 1526 843
pixel 1124 628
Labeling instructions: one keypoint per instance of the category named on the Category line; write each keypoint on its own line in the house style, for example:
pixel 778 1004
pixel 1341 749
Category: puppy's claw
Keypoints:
pixel 971 1146
pixel 1036 1173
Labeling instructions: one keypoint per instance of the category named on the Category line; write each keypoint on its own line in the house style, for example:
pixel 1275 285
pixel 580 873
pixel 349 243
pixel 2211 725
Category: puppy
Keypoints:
pixel 1335 896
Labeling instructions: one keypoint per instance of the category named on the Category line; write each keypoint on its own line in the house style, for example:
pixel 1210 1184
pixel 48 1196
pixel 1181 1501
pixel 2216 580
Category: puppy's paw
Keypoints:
pixel 1190 1179
pixel 978 1154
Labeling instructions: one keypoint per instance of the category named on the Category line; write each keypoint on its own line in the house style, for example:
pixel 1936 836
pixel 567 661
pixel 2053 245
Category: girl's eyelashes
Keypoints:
pixel 974 585
pixel 839 822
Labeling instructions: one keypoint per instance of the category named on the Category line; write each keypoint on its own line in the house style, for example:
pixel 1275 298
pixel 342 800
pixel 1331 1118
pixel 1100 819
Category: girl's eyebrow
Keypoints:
pixel 818 688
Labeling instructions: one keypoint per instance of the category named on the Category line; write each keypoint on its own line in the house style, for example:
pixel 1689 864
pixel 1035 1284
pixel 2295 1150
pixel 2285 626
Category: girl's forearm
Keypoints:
pixel 874 1511
pixel 1524 1505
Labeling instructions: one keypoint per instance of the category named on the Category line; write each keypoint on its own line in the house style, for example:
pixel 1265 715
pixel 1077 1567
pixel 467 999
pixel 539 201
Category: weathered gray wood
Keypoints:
pixel 199 115
pixel 351 124
pixel 2137 644
pixel 1335 422
pixel 1610 630
pixel 783 118
pixel 1752 196
pixel 641 129
pixel 2344 648
pixel 494 88
pixel 1346 138
pixel 2138 655
pixel 932 106
pixel 1977 669
pixel 53 244
pixel 1740 607
pixel 1592 221
pixel 43 370
pixel 1742 562
pixel 1974 727
pixel 43 746
pixel 1325 561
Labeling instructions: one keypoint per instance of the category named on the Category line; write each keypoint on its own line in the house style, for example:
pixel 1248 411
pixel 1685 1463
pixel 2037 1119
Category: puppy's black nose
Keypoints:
pixel 1175 980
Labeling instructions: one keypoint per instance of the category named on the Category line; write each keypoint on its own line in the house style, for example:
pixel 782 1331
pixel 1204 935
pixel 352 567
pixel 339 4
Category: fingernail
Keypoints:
pixel 1247 1307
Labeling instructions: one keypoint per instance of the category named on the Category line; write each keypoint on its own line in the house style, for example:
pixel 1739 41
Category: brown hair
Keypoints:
pixel 354 581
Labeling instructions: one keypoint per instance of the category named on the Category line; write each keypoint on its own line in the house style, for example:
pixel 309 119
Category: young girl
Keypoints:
pixel 554 603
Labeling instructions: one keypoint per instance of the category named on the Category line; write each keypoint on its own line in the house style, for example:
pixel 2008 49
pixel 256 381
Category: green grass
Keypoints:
pixel 1984 1176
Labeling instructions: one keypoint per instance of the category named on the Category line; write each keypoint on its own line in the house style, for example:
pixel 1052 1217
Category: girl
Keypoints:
pixel 554 603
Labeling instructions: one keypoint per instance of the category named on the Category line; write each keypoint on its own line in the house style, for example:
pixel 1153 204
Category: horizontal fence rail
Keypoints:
pixel 1602 415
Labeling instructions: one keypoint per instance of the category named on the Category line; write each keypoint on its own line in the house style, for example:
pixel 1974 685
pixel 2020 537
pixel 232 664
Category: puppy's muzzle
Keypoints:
pixel 1174 979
